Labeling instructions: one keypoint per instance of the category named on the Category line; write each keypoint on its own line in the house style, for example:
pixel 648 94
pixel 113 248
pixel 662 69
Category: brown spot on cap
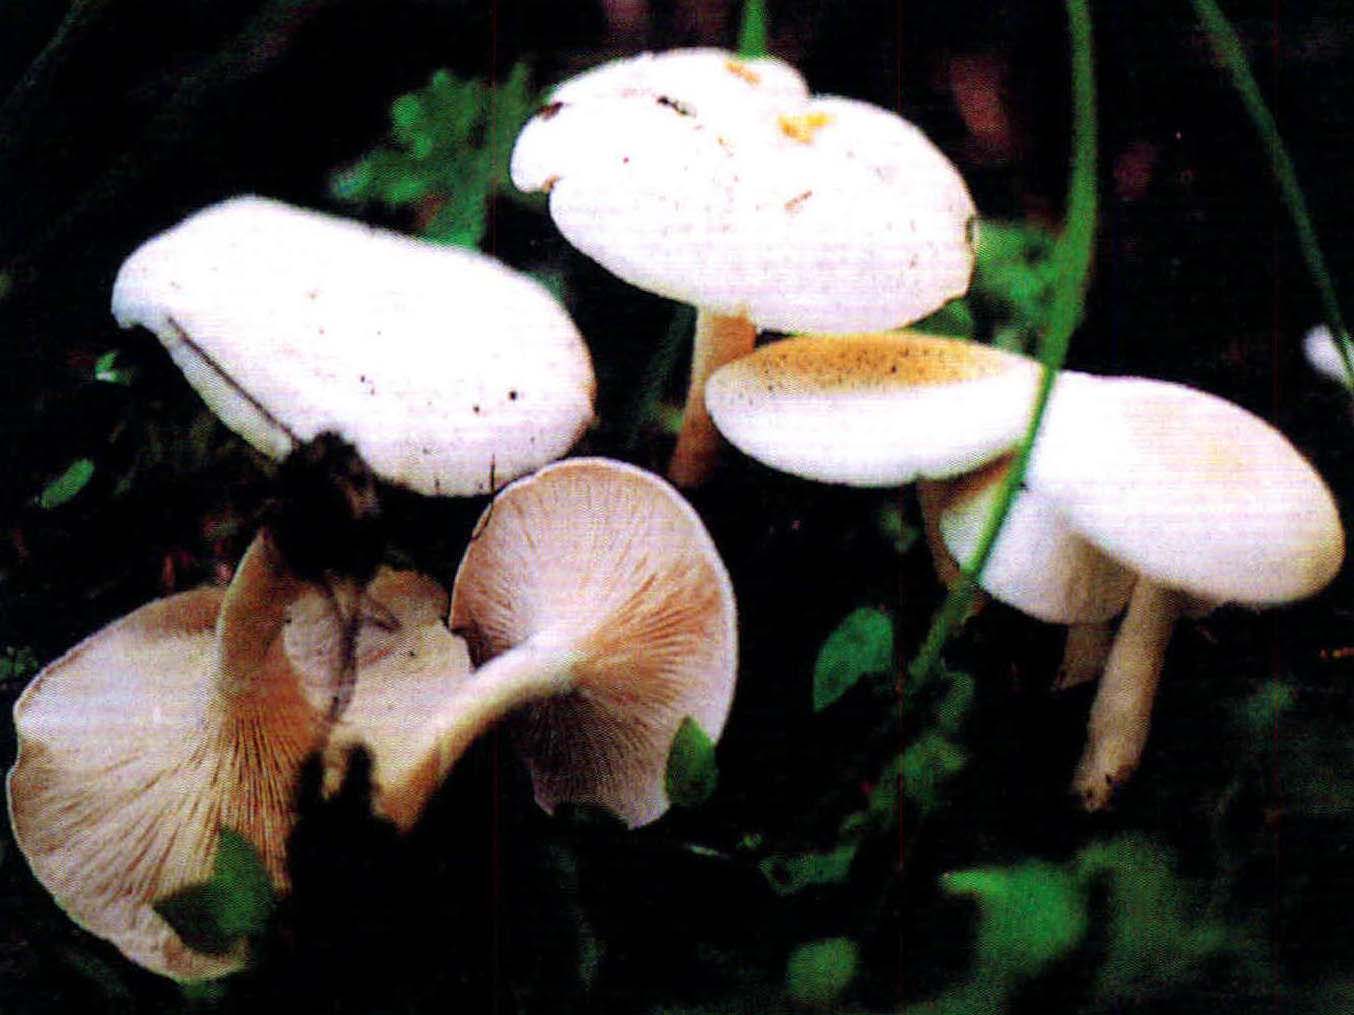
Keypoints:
pixel 802 127
pixel 549 111
pixel 742 70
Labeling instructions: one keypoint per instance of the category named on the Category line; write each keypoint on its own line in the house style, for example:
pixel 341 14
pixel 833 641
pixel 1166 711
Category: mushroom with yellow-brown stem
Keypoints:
pixel 720 183
pixel 599 616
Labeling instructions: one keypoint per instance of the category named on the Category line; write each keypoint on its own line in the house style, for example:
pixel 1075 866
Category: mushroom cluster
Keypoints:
pixel 594 601
pixel 1141 497
pixel 721 183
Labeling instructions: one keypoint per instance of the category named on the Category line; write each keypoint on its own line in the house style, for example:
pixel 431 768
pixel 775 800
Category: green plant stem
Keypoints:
pixel 1072 262
pixel 1227 46
pixel 752 35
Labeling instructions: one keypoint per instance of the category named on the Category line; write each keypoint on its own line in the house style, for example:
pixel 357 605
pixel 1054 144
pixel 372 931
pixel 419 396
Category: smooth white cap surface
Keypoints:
pixel 745 198
pixel 440 365
pixel 1187 489
pixel 873 409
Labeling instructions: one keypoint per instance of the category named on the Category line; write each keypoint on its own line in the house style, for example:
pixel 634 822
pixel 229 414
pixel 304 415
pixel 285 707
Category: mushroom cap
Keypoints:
pixel 130 761
pixel 609 560
pixel 873 409
pixel 448 371
pixel 1187 489
pixel 690 178
pixel 404 675
pixel 1039 564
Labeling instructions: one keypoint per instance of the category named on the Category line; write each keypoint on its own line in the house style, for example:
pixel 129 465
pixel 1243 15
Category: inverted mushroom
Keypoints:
pixel 600 616
pixel 720 183
pixel 448 372
pixel 137 745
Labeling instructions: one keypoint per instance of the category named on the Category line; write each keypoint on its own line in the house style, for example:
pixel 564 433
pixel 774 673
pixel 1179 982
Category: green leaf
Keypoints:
pixel 692 773
pixel 236 902
pixel 862 644
pixel 107 370
pixel 65 487
pixel 926 765
pixel 452 143
pixel 819 972
pixel 889 520
pixel 1031 914
pixel 791 873
pixel 1159 932
pixel 1258 713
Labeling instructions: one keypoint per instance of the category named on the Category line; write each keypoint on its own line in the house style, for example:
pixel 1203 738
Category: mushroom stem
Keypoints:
pixel 1122 712
pixel 720 339
pixel 252 615
pixel 534 670
pixel 933 495
pixel 1084 655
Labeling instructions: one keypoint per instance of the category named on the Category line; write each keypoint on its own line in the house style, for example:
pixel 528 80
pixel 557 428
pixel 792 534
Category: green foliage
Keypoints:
pixel 1158 930
pixel 106 369
pixel 861 645
pixel 692 772
pixel 752 33
pixel 17 665
pixel 1030 915
pixel 452 141
pixel 235 903
pixel 819 972
pixel 68 485
pixel 793 873
pixel 889 520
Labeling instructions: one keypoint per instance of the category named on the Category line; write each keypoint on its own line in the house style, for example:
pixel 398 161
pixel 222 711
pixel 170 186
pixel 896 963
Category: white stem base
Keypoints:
pixel 1122 713
pixel 1084 655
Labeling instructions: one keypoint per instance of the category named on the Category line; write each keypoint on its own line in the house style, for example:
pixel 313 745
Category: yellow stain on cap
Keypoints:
pixel 802 127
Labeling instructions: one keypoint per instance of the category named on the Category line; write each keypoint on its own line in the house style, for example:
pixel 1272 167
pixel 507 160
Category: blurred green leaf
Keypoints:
pixel 861 644
pixel 67 485
pixel 1257 714
pixel 819 972
pixel 692 773
pixel 235 902
pixel 1159 932
pixel 953 320
pixel 926 765
pixel 452 145
pixel 889 519
pixel 1030 915
pixel 107 370
pixel 794 872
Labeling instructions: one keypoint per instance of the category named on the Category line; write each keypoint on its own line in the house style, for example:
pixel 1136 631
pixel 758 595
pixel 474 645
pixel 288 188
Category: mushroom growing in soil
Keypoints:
pixel 721 183
pixel 1139 493
pixel 600 616
pixel 1196 500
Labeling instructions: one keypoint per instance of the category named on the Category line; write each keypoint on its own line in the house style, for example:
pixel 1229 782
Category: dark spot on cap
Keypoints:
pixel 674 105
pixel 512 396
pixel 549 111
pixel 475 409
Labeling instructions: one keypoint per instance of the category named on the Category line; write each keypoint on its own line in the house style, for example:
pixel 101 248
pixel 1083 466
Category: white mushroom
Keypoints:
pixel 1199 502
pixel 449 372
pixel 722 184
pixel 600 616
pixel 1139 494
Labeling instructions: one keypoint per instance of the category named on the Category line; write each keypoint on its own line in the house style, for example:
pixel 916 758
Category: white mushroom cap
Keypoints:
pixel 1323 355
pixel 873 409
pixel 137 745
pixel 744 198
pixel 601 579
pixel 1187 489
pixel 440 365
pixel 1039 564
pixel 701 76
